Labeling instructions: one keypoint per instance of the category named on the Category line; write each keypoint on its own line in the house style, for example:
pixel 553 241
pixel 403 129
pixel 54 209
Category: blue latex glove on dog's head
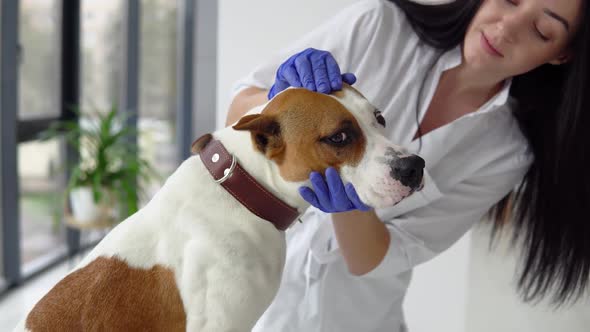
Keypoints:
pixel 331 195
pixel 315 70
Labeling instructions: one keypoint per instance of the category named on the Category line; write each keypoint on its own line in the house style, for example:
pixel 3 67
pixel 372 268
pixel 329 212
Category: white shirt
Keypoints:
pixel 471 163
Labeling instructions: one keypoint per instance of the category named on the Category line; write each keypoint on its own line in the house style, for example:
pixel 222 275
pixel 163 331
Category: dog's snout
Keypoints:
pixel 408 170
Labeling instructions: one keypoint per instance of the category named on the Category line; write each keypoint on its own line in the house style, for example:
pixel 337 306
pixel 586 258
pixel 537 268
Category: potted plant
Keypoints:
pixel 106 182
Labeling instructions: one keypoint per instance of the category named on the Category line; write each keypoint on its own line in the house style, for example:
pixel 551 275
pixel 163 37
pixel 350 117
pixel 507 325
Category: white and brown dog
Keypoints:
pixel 207 252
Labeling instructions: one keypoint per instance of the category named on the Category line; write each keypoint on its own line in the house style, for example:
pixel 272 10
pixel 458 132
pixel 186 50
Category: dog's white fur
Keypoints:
pixel 228 262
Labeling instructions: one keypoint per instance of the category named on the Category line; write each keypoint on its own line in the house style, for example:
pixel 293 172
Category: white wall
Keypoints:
pixel 248 31
pixel 493 304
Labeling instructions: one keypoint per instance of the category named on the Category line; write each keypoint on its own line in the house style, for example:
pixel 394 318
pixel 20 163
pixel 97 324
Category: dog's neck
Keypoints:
pixel 266 172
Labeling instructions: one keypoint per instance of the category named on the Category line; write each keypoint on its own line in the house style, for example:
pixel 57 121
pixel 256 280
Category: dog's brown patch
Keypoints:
pixel 292 128
pixel 108 295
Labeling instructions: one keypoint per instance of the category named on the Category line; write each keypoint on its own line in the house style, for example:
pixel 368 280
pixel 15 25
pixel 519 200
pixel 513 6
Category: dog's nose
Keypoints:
pixel 408 170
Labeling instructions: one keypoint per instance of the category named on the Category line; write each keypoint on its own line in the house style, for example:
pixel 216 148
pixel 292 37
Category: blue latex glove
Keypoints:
pixel 312 69
pixel 332 195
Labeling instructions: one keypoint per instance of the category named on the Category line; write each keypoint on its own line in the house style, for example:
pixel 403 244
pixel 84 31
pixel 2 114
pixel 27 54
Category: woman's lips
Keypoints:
pixel 488 46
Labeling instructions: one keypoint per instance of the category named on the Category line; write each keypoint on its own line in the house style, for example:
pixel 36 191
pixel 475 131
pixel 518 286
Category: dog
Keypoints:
pixel 206 254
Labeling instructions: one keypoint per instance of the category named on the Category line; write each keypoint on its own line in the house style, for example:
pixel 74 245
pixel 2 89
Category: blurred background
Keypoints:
pixel 167 66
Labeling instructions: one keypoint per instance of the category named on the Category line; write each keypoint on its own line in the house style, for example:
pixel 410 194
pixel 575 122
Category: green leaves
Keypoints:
pixel 109 157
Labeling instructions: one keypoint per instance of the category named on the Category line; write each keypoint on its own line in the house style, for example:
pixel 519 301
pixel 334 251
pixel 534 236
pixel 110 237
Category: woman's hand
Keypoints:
pixel 315 70
pixel 331 195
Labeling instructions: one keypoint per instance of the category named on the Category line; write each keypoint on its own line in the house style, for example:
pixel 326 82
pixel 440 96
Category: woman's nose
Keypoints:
pixel 408 170
pixel 509 26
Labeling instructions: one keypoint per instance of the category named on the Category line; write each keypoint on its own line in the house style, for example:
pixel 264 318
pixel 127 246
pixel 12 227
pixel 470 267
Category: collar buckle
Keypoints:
pixel 227 173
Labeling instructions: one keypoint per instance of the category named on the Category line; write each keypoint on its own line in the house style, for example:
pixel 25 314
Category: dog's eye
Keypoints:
pixel 339 139
pixel 379 117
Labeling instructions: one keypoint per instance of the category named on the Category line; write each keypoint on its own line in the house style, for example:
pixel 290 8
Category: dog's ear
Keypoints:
pixel 266 133
pixel 200 143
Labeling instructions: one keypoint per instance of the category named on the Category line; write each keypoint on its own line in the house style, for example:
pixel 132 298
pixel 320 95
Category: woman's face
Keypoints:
pixel 511 37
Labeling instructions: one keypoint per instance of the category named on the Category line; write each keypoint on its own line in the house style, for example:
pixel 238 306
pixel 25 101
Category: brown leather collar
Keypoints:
pixel 227 171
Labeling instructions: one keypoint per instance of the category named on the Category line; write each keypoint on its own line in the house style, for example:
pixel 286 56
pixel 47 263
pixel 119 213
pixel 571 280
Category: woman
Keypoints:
pixel 492 94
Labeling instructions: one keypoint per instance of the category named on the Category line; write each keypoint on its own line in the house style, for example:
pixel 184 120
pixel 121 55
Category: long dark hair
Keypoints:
pixel 549 210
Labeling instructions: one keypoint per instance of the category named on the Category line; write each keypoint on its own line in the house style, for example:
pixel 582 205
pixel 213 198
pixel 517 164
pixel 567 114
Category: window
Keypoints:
pixel 101 25
pixel 41 203
pixel 157 104
pixel 39 75
pixel 33 235
pixel 41 182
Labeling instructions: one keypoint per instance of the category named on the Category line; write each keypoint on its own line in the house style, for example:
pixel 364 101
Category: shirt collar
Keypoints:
pixel 453 57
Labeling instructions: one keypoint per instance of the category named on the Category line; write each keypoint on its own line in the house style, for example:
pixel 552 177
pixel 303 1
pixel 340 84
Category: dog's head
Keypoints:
pixel 303 131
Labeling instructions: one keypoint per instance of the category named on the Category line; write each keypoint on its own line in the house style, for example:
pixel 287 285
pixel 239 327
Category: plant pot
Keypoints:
pixel 85 211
